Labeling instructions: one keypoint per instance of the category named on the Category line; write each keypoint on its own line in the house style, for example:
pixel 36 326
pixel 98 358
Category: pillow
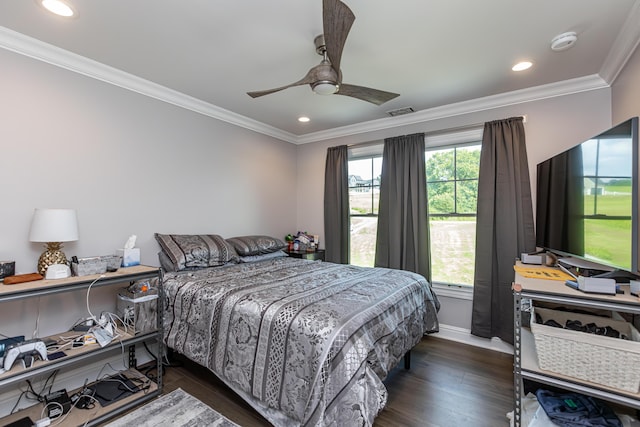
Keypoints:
pixel 263 257
pixel 255 245
pixel 196 250
pixel 165 262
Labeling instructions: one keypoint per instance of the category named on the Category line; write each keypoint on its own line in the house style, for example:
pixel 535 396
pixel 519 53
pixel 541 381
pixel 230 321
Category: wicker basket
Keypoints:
pixel 611 362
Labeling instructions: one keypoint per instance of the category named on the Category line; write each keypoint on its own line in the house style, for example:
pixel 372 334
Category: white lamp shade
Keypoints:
pixel 54 225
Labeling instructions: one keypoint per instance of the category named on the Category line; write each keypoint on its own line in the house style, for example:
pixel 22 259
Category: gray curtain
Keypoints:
pixel 336 205
pixel 403 232
pixel 504 226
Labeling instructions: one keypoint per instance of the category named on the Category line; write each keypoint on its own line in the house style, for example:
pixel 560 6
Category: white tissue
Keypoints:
pixel 131 242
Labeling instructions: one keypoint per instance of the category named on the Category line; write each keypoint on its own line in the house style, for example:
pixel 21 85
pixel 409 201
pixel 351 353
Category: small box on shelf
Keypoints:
pixel 130 257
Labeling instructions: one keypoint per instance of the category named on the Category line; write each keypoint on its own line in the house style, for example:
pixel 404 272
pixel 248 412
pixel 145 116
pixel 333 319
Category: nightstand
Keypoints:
pixel 318 254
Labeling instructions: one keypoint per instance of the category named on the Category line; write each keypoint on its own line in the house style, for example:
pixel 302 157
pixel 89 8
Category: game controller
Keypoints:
pixel 26 351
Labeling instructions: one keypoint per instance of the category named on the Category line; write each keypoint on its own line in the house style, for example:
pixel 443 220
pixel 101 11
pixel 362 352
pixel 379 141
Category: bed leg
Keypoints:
pixel 407 360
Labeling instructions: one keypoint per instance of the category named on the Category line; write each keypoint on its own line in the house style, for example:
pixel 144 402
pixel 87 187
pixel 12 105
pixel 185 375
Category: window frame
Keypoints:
pixel 371 153
pixel 470 136
pixel 462 290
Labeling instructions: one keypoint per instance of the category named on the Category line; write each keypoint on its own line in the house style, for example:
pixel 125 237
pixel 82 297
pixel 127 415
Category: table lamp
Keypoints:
pixel 53 226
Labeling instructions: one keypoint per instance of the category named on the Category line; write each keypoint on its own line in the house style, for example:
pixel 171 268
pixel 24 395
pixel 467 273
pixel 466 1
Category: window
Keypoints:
pixel 452 188
pixel 452 166
pixel 364 196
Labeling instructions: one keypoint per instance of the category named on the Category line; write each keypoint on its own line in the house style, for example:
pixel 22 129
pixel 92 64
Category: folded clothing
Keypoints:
pixel 576 410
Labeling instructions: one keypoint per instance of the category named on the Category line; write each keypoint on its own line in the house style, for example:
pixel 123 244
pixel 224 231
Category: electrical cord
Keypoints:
pixel 45 409
pixel 35 331
pixel 36 396
pixel 18 402
pixel 91 316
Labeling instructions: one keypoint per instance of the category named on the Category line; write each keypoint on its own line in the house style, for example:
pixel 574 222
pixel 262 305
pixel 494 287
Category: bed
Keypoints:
pixel 304 342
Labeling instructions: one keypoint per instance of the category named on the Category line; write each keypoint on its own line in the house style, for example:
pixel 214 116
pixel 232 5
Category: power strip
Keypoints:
pixel 102 335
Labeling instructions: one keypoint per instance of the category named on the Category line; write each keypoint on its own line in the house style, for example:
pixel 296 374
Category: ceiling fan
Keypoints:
pixel 326 77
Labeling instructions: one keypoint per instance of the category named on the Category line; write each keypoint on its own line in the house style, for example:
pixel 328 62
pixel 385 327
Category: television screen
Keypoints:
pixel 587 200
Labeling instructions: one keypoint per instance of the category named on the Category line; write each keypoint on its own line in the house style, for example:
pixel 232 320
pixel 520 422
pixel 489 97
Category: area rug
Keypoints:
pixel 176 409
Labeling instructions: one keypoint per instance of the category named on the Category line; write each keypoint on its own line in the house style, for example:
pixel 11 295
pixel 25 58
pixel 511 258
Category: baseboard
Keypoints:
pixel 462 335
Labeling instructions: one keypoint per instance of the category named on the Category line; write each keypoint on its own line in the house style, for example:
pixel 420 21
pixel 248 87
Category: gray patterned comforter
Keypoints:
pixel 306 343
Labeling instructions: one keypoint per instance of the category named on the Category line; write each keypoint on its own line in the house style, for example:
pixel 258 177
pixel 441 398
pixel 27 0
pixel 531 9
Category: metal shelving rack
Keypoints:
pixel 50 287
pixel 527 290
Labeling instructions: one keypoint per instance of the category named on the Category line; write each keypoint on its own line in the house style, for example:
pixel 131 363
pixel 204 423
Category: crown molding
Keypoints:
pixel 623 47
pixel 567 87
pixel 39 50
pixel 36 49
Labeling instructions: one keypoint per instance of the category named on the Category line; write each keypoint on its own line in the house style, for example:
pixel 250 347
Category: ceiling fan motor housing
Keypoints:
pixel 321 46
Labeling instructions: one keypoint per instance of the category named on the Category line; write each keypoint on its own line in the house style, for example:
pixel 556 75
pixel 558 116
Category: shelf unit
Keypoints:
pixel 525 291
pixel 86 353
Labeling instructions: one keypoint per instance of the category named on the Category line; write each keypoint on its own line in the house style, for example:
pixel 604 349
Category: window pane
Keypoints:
pixel 364 182
pixel 360 201
pixel 376 199
pixel 362 169
pixel 467 194
pixel 468 162
pixel 363 241
pixel 453 244
pixel 441 197
pixel 440 165
pixel 377 170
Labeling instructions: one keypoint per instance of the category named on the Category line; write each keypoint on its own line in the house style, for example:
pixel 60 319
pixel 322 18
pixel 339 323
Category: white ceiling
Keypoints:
pixel 434 53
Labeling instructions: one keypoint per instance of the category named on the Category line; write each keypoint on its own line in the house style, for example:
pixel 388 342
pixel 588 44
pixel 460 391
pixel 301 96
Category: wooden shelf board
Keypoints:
pixel 78 417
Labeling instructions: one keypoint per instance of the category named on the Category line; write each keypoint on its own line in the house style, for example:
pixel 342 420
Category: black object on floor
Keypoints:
pixel 22 422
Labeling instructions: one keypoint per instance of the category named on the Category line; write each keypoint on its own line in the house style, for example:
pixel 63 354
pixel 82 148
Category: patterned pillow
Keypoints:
pixel 255 245
pixel 196 250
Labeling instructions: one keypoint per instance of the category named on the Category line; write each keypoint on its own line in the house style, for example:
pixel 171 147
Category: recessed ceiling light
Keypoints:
pixel 303 119
pixel 59 7
pixel 521 66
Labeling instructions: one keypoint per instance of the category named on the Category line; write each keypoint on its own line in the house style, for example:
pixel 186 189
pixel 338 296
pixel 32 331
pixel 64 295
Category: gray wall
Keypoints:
pixel 625 91
pixel 129 164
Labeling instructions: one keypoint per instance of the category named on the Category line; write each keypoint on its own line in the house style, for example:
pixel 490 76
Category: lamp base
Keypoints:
pixel 52 255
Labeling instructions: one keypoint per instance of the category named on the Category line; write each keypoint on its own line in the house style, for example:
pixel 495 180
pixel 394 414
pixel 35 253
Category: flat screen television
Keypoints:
pixel 587 202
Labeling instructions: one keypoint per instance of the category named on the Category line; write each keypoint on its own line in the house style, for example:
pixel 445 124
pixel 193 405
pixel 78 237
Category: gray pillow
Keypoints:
pixel 255 245
pixel 196 250
pixel 256 258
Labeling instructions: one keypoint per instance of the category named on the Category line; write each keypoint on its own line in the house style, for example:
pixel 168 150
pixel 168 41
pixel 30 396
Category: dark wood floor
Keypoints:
pixel 449 384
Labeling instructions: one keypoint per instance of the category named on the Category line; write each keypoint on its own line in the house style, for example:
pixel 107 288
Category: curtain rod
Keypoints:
pixel 437 132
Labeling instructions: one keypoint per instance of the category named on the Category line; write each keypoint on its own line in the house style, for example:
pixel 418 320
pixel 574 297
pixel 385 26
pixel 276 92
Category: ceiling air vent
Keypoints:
pixel 400 111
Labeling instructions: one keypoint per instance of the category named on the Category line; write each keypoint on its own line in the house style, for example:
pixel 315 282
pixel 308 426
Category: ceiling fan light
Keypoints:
pixel 325 88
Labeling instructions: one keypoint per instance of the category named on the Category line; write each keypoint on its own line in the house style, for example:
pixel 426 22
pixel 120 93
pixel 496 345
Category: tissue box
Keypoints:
pixel 130 257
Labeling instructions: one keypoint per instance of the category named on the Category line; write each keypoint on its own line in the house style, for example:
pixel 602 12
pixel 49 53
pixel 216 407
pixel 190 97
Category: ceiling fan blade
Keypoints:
pixel 337 19
pixel 374 96
pixel 306 80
